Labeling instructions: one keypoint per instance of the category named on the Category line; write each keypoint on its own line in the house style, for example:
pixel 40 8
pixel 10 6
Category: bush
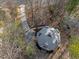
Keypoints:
pixel 71 5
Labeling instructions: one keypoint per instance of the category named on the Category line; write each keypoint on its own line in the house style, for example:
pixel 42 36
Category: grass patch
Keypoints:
pixel 30 49
pixel 74 47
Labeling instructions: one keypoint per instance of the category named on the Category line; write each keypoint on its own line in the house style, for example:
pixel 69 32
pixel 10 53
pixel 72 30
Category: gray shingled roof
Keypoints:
pixel 48 38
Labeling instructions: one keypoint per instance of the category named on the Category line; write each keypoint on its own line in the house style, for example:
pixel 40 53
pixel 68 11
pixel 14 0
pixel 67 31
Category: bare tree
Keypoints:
pixel 46 12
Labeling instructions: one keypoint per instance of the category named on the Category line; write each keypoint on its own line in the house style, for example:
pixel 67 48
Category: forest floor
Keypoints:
pixel 1 31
